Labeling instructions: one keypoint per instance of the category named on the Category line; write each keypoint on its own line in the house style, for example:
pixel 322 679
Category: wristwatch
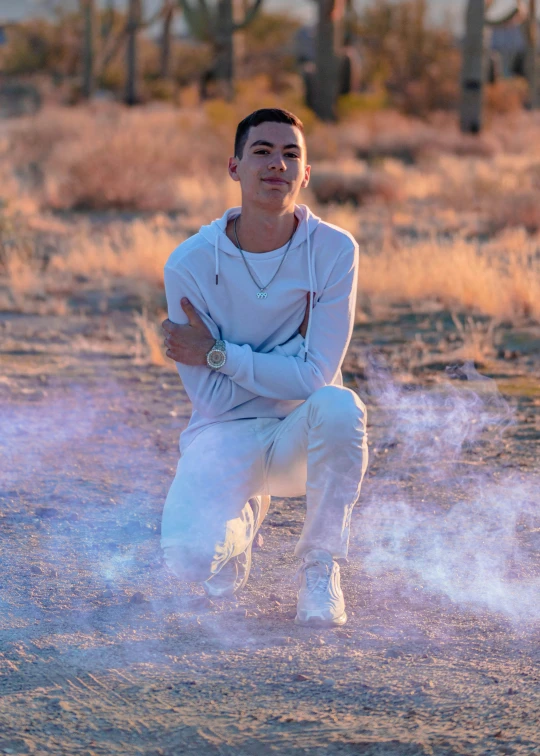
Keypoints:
pixel 216 357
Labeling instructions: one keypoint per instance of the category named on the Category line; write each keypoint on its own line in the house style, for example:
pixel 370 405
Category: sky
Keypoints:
pixel 306 9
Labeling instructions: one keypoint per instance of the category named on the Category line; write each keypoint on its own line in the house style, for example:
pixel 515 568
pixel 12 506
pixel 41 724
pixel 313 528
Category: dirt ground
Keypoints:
pixel 104 652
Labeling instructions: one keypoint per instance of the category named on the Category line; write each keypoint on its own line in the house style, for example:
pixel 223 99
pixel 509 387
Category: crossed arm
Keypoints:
pixel 281 374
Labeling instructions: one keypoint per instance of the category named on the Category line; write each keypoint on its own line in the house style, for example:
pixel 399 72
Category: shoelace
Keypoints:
pixel 316 579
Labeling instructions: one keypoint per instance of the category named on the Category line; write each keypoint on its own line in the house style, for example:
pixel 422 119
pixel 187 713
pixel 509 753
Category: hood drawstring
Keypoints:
pixel 310 291
pixel 310 272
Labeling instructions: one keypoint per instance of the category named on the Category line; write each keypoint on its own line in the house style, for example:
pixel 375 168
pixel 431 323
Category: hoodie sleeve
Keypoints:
pixel 211 392
pixel 278 376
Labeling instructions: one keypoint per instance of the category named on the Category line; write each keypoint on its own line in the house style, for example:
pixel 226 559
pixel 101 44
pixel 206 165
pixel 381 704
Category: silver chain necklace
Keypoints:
pixel 262 293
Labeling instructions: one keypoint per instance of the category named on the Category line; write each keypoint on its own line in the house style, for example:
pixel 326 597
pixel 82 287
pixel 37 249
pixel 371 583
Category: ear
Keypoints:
pixel 233 169
pixel 307 174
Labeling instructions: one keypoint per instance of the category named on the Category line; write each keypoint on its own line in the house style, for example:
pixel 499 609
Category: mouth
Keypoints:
pixel 275 181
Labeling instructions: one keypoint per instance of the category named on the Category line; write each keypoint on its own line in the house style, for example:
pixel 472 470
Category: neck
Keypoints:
pixel 262 231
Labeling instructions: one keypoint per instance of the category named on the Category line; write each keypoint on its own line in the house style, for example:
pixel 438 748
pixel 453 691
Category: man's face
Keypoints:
pixel 273 167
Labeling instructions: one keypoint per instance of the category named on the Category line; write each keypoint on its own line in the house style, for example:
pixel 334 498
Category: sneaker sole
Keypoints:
pixel 233 589
pixel 316 621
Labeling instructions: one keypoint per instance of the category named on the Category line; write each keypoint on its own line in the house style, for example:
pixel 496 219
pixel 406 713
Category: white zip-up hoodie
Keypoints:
pixel 270 369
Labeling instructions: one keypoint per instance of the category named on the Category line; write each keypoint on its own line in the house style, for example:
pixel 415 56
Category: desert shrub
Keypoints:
pixel 189 61
pixel 268 48
pixel 41 45
pixel 390 134
pixel 506 95
pixel 106 156
pixel 500 278
pixel 510 210
pixel 350 182
pixel 418 63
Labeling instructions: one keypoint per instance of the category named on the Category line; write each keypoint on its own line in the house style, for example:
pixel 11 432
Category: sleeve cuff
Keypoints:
pixel 234 359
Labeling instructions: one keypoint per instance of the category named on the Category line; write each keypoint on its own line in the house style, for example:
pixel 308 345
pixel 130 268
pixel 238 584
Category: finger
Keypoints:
pixel 193 316
pixel 167 325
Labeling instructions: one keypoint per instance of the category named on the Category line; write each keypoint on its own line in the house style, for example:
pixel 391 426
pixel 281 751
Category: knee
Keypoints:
pixel 340 407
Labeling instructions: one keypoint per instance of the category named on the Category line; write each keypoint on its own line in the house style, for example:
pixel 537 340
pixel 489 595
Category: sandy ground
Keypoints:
pixel 104 652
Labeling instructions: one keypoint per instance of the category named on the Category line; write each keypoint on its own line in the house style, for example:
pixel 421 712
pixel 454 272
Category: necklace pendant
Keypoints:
pixel 262 294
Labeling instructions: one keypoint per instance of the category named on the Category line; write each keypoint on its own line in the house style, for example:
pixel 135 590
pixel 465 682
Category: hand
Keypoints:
pixel 303 328
pixel 188 343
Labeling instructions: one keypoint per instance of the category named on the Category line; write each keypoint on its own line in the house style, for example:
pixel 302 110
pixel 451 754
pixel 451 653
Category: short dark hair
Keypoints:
pixel 277 115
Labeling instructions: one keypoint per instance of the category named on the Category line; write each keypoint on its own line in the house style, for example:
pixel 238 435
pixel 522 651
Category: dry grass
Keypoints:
pixel 425 179
pixel 501 278
pixel 349 181
pixel 149 349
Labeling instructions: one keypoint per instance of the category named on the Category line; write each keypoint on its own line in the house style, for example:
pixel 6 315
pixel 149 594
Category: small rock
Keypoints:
pixel 300 677
pixel 108 594
pixel 329 681
pixel 274 597
pixel 394 653
pixel 137 598
pixel 47 512
pixel 36 570
pixel 199 602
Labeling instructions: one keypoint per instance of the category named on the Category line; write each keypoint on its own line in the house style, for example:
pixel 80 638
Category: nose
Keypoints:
pixel 277 162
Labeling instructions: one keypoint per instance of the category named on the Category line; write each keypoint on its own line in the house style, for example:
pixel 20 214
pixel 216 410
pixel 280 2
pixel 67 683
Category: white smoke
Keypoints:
pixel 463 526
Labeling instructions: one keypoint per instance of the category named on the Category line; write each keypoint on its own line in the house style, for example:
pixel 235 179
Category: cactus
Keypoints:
pixel 165 47
pixel 475 57
pixel 88 12
pixel 217 25
pixel 336 65
pixel 532 54
pixel 133 23
pixel 473 72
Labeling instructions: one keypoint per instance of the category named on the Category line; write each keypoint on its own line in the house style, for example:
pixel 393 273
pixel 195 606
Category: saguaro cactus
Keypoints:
pixel 532 54
pixel 336 67
pixel 473 70
pixel 88 13
pixel 475 56
pixel 217 24
pixel 133 24
pixel 328 44
pixel 165 56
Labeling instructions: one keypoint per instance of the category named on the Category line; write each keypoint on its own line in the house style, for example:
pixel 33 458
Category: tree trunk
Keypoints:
pixel 473 68
pixel 88 48
pixel 134 18
pixel 165 62
pixel 327 61
pixel 532 53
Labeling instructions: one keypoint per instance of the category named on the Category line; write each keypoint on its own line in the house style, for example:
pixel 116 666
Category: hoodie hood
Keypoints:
pixel 214 233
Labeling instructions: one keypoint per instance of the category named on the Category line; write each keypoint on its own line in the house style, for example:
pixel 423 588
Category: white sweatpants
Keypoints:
pixel 319 449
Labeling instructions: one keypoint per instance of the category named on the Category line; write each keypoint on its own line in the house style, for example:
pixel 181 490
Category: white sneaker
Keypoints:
pixel 235 573
pixel 320 598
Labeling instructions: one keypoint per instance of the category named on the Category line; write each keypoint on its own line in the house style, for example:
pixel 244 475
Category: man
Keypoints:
pixel 261 309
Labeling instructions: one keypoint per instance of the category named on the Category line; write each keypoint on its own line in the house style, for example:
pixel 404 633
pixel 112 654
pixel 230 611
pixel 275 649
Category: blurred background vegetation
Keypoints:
pixel 117 118
pixel 382 54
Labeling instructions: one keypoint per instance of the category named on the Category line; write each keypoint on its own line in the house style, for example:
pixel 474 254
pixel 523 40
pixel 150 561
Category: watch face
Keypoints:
pixel 216 358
